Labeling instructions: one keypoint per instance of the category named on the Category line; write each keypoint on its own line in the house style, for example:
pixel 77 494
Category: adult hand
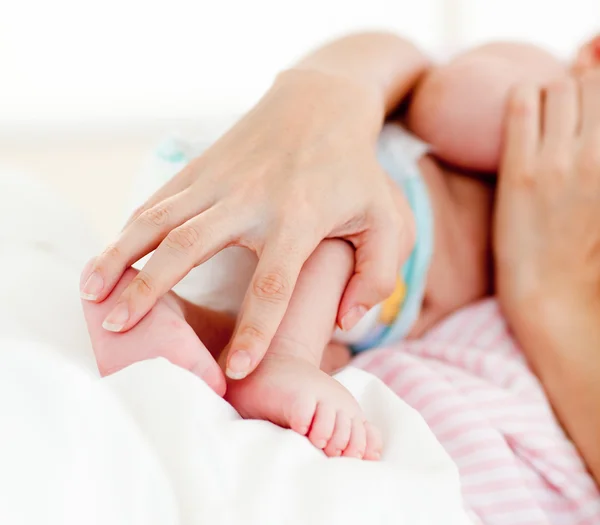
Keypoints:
pixel 547 247
pixel 300 167
pixel 547 239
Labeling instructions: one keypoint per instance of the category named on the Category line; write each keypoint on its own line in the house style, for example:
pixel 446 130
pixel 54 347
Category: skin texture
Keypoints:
pixel 460 268
pixel 459 107
pixel 166 332
pixel 288 388
pixel 548 246
pixel 267 184
pixel 462 208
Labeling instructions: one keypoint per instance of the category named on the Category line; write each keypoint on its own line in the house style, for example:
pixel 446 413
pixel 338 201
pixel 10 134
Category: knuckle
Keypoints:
pixel 254 332
pixel 143 284
pixel 301 206
pixel 248 190
pixel 156 216
pixel 271 286
pixel 294 215
pixel 182 239
pixel 284 226
pixel 111 252
pixel 138 211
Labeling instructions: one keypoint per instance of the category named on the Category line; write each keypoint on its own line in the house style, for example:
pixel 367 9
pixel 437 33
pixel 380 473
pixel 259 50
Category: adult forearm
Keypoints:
pixel 384 62
pixel 561 339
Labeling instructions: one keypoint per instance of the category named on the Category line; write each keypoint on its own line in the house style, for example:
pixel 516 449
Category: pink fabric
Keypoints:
pixel 472 385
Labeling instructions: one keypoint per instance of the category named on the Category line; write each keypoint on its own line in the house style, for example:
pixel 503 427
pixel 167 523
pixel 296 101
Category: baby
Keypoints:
pixel 458 111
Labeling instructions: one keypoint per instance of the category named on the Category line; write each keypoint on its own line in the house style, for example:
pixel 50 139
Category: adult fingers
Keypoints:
pixel 142 236
pixel 176 184
pixel 192 243
pixel 561 114
pixel 266 302
pixel 522 133
pixel 380 252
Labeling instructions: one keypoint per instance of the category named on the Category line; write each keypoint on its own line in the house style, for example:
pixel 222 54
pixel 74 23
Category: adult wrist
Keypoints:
pixel 331 92
pixel 558 333
pixel 560 336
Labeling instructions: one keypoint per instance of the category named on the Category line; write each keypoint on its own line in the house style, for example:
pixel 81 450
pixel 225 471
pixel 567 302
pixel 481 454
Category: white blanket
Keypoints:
pixel 152 444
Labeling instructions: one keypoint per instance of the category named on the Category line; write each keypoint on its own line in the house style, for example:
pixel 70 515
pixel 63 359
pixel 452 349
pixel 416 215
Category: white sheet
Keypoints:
pixel 152 444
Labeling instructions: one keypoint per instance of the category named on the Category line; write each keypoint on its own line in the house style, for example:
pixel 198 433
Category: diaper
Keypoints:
pixel 398 152
pixel 221 282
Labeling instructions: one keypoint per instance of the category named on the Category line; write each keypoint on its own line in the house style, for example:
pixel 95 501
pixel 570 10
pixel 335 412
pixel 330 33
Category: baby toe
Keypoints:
pixel 209 371
pixel 322 426
pixel 374 442
pixel 341 435
pixel 358 440
pixel 301 415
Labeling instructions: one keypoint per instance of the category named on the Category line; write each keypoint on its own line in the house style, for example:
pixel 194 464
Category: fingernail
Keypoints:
pixel 320 443
pixel 92 287
pixel 239 365
pixel 352 317
pixel 115 320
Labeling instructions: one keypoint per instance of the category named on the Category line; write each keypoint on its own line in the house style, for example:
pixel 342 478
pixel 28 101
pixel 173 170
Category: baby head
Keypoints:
pixel 459 107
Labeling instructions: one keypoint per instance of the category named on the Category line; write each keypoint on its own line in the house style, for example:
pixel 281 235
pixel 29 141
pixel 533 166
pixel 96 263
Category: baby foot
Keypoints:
pixel 293 393
pixel 164 332
pixel 335 357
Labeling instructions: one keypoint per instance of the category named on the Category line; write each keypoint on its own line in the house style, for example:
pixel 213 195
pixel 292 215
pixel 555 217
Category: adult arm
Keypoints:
pixel 298 168
pixel 547 247
pixel 383 63
pixel 561 338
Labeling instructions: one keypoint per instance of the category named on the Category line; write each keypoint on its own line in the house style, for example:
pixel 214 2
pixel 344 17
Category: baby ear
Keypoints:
pixel 588 56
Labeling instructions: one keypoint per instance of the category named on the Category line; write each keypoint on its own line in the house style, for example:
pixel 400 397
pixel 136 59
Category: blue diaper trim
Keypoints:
pixel 405 172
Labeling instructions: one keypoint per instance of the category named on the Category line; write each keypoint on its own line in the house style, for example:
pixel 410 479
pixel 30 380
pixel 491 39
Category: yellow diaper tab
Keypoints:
pixel 390 308
pixel 398 153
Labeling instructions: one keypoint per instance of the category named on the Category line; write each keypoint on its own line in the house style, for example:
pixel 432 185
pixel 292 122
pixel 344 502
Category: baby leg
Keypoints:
pixel 459 107
pixel 184 334
pixel 288 388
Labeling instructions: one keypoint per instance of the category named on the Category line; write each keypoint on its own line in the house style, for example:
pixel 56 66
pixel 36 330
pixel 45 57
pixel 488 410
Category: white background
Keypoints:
pixel 128 61
pixel 87 87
